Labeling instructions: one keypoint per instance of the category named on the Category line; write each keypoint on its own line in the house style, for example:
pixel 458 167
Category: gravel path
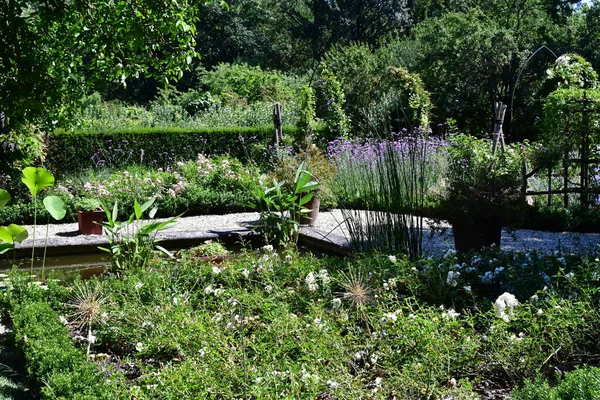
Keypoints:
pixel 330 226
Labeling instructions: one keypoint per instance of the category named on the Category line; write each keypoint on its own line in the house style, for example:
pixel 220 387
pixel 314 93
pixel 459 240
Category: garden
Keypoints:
pixel 403 130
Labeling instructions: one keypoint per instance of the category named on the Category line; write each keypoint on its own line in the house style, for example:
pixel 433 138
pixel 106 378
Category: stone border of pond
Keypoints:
pixel 328 236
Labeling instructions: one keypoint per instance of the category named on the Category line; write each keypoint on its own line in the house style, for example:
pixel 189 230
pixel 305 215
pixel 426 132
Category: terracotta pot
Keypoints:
pixel 86 221
pixel 473 235
pixel 311 218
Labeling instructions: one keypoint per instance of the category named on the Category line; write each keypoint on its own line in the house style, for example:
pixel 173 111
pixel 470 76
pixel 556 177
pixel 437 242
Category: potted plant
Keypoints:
pixel 282 208
pixel 483 192
pixel 321 170
pixel 89 212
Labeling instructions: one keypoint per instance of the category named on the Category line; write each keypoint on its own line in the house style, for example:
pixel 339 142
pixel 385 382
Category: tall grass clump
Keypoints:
pixel 382 186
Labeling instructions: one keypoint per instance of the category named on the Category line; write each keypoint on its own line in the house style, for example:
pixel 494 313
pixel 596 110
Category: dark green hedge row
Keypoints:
pixel 55 368
pixel 71 151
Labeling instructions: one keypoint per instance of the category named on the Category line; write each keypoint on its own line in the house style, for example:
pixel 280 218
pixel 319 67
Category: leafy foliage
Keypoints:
pixel 481 186
pixel 380 95
pixel 55 51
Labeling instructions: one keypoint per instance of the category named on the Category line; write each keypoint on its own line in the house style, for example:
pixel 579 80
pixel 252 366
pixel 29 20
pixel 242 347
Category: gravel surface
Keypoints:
pixel 330 226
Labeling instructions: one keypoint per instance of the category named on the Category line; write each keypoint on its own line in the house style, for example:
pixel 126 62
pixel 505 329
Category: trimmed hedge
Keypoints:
pixel 71 151
pixel 54 366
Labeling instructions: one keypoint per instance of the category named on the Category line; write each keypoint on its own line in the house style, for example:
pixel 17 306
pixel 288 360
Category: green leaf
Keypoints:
pixel 147 205
pixel 305 199
pixel 4 247
pixel 137 209
pixel 309 186
pixel 36 179
pixel 4 197
pixel 115 211
pixel 165 251
pixel 13 233
pixel 55 206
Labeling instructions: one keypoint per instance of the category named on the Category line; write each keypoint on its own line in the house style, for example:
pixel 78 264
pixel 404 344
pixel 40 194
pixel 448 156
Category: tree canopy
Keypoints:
pixel 52 52
pixel 468 54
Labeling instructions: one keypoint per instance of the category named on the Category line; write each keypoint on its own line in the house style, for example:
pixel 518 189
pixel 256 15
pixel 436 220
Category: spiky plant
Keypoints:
pixel 87 302
pixel 357 291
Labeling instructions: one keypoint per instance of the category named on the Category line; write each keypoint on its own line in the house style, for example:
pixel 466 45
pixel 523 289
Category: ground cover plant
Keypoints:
pixel 277 324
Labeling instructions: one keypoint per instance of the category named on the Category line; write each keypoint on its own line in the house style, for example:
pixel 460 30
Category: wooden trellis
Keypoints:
pixel 583 187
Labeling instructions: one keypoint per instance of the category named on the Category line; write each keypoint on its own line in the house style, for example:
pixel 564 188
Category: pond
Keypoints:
pixel 67 266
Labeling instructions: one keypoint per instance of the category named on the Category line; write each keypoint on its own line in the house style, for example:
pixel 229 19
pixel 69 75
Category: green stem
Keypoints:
pixel 45 248
pixel 34 225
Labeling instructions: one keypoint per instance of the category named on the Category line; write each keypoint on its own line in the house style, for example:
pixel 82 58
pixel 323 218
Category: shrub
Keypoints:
pixel 162 147
pixel 581 384
pixel 54 366
pixel 244 84
pixel 482 186
pixel 380 95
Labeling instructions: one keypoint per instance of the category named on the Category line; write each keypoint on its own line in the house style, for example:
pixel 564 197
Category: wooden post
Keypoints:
pixel 523 178
pixel 584 176
pixel 499 111
pixel 277 113
pixel 566 178
pixel 549 186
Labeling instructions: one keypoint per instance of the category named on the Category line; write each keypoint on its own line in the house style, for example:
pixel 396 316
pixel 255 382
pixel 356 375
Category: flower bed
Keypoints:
pixel 273 325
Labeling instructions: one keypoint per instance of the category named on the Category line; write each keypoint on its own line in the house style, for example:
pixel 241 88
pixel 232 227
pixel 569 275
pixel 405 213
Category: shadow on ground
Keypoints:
pixel 11 382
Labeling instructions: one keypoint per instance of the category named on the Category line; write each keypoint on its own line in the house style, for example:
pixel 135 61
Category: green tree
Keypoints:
pixel 472 57
pixel 53 52
pixel 380 95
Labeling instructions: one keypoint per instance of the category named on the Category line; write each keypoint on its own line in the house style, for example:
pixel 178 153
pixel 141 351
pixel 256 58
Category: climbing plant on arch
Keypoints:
pixel 571 120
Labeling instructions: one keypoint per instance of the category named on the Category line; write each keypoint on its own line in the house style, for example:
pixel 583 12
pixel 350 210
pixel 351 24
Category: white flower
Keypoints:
pixel 175 300
pixel 268 248
pixel 216 270
pixel 310 282
pixel 388 317
pixel 393 259
pixel 319 323
pixel 325 278
pixel 139 346
pixel 450 314
pixel 564 59
pixel 63 320
pixel 498 270
pixel 452 278
pixel 268 288
pixel 332 384
pixel 209 289
pixel 539 312
pixel 138 285
pixel 504 305
pixel 337 303
pixel 246 273
pixel 570 275
pixel 378 381
pixel 467 289
pixel 535 297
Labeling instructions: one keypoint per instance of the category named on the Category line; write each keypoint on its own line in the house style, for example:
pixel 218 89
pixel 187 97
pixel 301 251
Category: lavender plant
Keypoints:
pixel 382 186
